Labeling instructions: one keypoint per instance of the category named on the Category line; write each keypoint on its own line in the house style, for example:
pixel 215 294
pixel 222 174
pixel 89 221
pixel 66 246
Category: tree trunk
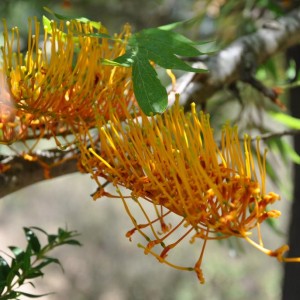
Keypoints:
pixel 291 281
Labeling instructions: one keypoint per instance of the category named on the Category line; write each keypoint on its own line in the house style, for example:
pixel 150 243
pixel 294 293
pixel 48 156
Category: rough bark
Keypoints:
pixel 22 172
pixel 239 61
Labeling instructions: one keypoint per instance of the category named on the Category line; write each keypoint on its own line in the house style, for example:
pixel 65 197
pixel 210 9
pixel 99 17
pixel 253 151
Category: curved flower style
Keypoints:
pixel 172 162
pixel 61 80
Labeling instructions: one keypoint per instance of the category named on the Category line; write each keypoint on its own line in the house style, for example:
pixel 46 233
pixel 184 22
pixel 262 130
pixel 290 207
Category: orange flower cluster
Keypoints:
pixel 172 162
pixel 61 80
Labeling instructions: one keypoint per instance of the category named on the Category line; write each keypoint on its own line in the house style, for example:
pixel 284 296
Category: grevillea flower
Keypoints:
pixel 61 80
pixel 173 162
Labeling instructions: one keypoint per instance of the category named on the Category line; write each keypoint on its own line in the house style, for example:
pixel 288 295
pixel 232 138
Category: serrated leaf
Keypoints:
pixel 32 239
pixel 151 95
pixel 163 48
pixel 287 120
pixel 158 40
pixel 167 60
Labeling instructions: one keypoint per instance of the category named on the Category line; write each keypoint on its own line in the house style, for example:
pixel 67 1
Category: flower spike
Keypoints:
pixel 172 163
pixel 60 83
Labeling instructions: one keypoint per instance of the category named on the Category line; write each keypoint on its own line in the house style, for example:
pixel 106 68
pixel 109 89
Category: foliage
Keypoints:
pixel 26 264
pixel 163 48
pixel 154 45
pixel 145 49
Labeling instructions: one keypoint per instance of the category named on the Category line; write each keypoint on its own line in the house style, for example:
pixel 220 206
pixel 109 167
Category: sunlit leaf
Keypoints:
pixel 96 25
pixel 287 120
pixel 149 91
pixel 163 48
pixel 184 23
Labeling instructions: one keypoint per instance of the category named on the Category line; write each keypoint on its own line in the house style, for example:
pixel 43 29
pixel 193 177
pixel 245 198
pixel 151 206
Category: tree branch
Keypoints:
pixel 239 61
pixel 20 172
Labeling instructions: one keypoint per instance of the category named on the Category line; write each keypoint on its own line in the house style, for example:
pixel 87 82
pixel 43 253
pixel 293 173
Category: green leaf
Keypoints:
pixel 100 35
pixel 287 120
pixel 48 260
pixel 34 273
pixel 96 25
pixel 273 224
pixel 277 145
pixel 294 156
pixel 4 271
pixel 11 295
pixel 26 264
pixel 32 239
pixel 189 22
pixel 52 238
pixel 64 235
pixel 34 296
pixel 39 229
pixel 149 92
pixel 48 27
pixel 18 252
pixel 126 60
pixel 47 24
pixel 71 242
pixel 162 47
pixel 158 40
pixel 271 172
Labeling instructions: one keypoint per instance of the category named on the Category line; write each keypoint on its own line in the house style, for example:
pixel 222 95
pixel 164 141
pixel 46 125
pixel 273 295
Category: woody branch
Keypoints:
pixel 237 62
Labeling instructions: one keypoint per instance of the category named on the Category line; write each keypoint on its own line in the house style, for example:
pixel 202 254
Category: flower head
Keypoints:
pixel 173 162
pixel 61 81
